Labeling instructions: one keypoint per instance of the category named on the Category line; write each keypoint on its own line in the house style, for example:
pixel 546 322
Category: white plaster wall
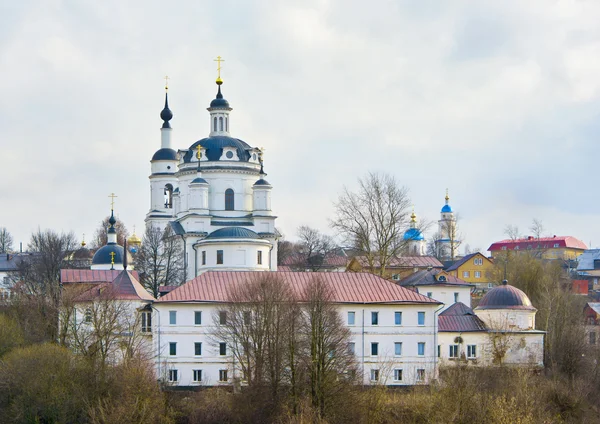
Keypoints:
pixel 507 319
pixel 185 333
pixel 445 294
pixel 236 256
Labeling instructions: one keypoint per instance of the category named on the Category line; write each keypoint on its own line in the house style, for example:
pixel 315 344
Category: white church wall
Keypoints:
pixel 446 294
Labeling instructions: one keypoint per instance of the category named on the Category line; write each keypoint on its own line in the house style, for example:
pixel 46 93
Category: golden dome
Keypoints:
pixel 133 239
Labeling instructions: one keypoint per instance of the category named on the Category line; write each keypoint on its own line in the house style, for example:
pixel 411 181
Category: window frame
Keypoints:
pixel 374 374
pixel 352 321
pixel 477 274
pixel 420 374
pixel 453 351
pixel 222 317
pixel 204 257
pixel 220 257
pixel 374 348
pixel 421 322
pixel 472 351
pixel 397 348
pixel 397 317
pixel 197 376
pixel 146 319
pixel 259 257
pixel 197 347
pixel 421 349
pixel 229 199
pixel 222 349
pixel 197 314
pixel 173 375
pixel 172 317
pixel 374 318
pixel 172 348
pixel 223 376
pixel 398 374
pixel 456 296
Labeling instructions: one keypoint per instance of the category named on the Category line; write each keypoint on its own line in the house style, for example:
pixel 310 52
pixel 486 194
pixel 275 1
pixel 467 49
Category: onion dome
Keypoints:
pixel 103 255
pixel 505 297
pixel 233 232
pixel 446 208
pixel 219 102
pixel 413 234
pixel 112 221
pixel 166 115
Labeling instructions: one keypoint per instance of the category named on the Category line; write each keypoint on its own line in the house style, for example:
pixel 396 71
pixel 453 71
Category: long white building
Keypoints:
pixel 393 329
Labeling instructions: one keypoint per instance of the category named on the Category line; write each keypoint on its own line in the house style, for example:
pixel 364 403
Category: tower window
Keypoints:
pixel 259 258
pixel 215 124
pixel 168 196
pixel 219 257
pixel 226 124
pixel 221 124
pixel 229 200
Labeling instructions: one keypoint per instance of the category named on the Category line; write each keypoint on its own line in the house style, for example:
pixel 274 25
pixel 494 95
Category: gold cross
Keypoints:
pixel 112 200
pixel 219 60
pixel 112 258
pixel 167 82
pixel 199 154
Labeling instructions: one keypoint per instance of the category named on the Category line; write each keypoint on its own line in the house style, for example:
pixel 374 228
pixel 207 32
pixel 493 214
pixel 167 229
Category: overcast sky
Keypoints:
pixel 497 101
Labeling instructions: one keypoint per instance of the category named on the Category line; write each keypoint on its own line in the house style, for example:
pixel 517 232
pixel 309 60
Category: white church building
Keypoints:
pixel 214 196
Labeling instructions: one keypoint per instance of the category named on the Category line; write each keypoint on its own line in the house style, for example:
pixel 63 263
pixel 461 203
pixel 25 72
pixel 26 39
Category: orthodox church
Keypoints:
pixel 111 256
pixel 446 242
pixel 214 195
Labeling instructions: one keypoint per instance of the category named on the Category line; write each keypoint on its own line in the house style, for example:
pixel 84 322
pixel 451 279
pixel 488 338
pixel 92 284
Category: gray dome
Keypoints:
pixel 233 232
pixel 505 297
pixel 165 154
pixel 213 148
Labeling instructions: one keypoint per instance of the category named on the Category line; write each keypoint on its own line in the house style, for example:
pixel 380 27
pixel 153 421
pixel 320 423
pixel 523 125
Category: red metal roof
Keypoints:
pixel 124 287
pixel 460 324
pixel 90 275
pixel 541 243
pixel 357 287
pixel 405 262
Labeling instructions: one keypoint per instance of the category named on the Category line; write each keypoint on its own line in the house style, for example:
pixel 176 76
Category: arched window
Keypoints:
pixel 229 203
pixel 226 124
pixel 221 123
pixel 168 196
pixel 215 124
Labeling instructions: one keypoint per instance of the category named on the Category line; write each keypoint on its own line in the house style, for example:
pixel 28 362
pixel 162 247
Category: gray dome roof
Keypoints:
pixel 262 181
pixel 233 232
pixel 219 102
pixel 199 180
pixel 213 148
pixel 505 297
pixel 165 154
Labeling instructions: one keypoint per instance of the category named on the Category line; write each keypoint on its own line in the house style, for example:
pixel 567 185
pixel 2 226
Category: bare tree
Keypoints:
pixel 37 279
pixel 512 232
pixel 6 241
pixel 329 363
pixel 285 250
pixel 374 219
pixel 313 248
pixel 160 259
pixel 537 228
pixel 100 238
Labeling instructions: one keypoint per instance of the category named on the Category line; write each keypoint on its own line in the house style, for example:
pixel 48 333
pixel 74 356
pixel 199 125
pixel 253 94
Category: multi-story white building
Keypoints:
pixel 393 329
pixel 215 197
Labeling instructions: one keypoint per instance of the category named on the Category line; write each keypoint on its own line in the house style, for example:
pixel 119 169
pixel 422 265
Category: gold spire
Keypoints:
pixel 112 200
pixel 219 60
pixel 447 197
pixel 83 243
pixel 167 82
pixel 112 258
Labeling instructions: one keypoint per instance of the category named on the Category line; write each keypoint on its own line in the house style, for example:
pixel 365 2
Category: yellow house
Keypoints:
pixel 555 247
pixel 475 269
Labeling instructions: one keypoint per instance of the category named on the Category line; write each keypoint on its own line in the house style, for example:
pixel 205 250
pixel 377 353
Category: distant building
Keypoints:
pixel 398 267
pixel 591 312
pixel 475 269
pixel 415 242
pixel 446 241
pixel 588 267
pixel 501 330
pixel 556 247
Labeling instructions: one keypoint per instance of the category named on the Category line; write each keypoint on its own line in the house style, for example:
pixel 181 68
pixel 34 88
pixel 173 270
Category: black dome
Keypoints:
pixel 213 148
pixel 165 154
pixel 262 181
pixel 505 297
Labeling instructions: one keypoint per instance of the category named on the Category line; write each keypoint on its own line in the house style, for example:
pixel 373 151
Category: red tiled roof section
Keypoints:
pixel 357 287
pixel 541 243
pixel 90 275
pixel 405 262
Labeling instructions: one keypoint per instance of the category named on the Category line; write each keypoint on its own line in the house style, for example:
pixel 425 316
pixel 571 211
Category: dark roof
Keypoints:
pixel 233 232
pixel 262 181
pixel 177 228
pixel 505 297
pixel 165 154
pixel 199 180
pixel 460 318
pixel 214 148
pixel 461 261
pixel 219 102
pixel 102 255
pixel 356 287
pixel 124 287
pixel 429 277
pixel 9 261
pixel 90 275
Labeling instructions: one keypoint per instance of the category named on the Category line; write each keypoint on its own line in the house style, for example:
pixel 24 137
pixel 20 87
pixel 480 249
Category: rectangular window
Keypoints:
pixel 429 294
pixel 197 375
pixel 352 347
pixel 172 348
pixel 219 257
pixel 453 353
pixel 395 277
pixel 456 297
pixel 471 351
pixel 351 317
pixel 374 349
pixel 439 352
pixel 146 322
pixel 173 375
pixel 421 318
pixel 398 348
pixel 222 349
pixel 222 317
pixel 398 318
pixel 477 274
pixel 259 257
pixel 420 375
pixel 374 375
pixel 204 257
pixel 374 318
pixel 247 317
pixel 88 315
pixel 222 375
pixel 421 349
pixel 398 375
pixel 592 338
pixel 198 348
pixel 465 274
pixel 197 317
pixel 172 317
